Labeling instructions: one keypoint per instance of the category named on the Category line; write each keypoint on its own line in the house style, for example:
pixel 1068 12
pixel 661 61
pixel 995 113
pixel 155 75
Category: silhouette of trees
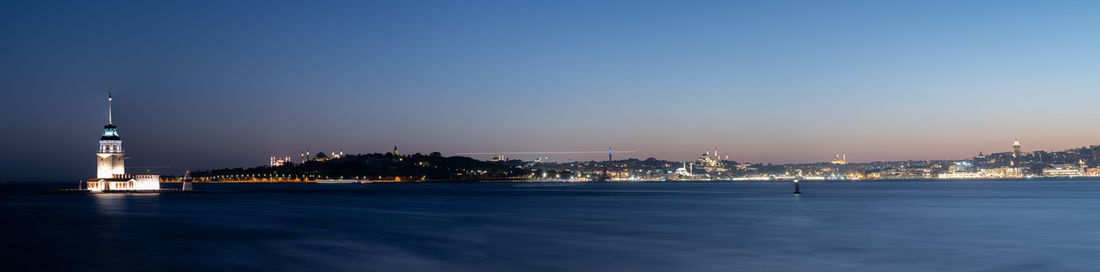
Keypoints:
pixel 433 166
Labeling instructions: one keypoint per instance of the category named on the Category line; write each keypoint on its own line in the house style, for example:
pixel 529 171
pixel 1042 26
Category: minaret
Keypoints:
pixel 110 155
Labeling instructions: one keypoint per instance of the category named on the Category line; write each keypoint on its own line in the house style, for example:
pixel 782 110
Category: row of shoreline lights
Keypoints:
pixel 281 176
pixel 253 176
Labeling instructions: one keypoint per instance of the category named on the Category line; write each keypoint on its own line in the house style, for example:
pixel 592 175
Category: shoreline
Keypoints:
pixel 643 181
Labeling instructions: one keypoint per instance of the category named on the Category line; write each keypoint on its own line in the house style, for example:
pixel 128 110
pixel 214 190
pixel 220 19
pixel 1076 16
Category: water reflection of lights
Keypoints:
pixel 110 204
pixel 117 204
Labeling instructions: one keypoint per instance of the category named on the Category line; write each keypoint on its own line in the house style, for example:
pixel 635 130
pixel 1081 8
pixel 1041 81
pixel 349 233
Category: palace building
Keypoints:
pixel 110 164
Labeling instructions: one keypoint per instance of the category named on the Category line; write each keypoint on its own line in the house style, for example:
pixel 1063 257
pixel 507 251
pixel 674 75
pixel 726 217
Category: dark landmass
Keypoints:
pixel 374 166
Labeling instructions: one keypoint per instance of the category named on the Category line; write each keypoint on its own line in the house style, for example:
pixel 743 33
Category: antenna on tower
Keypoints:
pixel 110 120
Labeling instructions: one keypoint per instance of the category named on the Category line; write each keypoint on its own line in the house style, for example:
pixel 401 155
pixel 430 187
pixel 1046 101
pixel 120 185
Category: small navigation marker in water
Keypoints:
pixel 796 187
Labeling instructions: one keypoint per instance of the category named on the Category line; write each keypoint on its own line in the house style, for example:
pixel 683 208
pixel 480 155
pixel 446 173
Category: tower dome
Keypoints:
pixel 110 132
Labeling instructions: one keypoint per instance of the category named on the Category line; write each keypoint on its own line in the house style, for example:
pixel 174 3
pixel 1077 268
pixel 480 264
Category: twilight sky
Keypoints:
pixel 227 83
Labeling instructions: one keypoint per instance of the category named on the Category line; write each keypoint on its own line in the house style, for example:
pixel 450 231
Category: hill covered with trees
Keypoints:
pixel 431 167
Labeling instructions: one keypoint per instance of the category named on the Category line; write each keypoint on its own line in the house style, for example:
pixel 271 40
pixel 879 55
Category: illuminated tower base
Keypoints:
pixel 111 166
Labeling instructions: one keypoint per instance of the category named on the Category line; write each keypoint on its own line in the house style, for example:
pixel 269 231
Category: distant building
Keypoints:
pixel 710 163
pixel 960 175
pixel 1002 172
pixel 111 170
pixel 1063 170
pixel 961 166
pixel 109 158
pixel 276 162
pixel 1093 172
pixel 840 159
pixel 1016 153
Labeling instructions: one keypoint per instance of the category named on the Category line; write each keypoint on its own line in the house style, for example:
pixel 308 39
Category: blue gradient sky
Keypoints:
pixel 227 83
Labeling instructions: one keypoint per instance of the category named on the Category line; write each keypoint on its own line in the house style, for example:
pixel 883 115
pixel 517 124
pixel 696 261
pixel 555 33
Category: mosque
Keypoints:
pixel 111 170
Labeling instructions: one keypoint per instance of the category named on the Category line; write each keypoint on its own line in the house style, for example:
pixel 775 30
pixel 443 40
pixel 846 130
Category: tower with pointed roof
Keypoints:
pixel 110 154
pixel 110 169
pixel 1016 148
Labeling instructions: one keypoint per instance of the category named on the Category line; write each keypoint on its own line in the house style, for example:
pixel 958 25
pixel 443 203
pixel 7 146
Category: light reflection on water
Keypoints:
pixel 715 226
pixel 110 204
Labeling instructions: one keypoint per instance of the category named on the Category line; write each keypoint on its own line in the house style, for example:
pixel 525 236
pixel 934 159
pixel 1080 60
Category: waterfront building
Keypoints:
pixel 110 165
pixel 682 171
pixel 959 175
pixel 276 162
pixel 960 166
pixel 1093 172
pixel 960 170
pixel 1002 172
pixel 1063 170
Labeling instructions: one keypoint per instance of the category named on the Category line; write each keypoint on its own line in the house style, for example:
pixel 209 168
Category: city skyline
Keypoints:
pixel 789 82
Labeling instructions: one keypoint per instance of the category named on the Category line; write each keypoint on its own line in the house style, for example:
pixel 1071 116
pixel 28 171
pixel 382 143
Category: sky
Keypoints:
pixel 217 84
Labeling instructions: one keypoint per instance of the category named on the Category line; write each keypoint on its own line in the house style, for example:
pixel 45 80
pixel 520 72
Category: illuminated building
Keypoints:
pixel 682 171
pixel 1002 172
pixel 276 162
pixel 960 170
pixel 840 159
pixel 705 160
pixel 111 170
pixel 710 163
pixel 959 175
pixel 1016 149
pixel 1063 170
pixel 1093 172
pixel 110 159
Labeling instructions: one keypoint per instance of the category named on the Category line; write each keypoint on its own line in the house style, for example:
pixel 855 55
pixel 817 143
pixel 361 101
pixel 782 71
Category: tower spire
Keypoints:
pixel 110 120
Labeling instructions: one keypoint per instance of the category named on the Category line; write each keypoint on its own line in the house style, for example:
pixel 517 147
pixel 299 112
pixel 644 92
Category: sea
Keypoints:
pixel 912 225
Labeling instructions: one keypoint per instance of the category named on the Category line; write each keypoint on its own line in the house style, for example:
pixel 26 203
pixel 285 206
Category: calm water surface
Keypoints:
pixel 715 226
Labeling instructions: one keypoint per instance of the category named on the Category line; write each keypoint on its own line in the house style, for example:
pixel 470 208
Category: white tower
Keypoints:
pixel 110 157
